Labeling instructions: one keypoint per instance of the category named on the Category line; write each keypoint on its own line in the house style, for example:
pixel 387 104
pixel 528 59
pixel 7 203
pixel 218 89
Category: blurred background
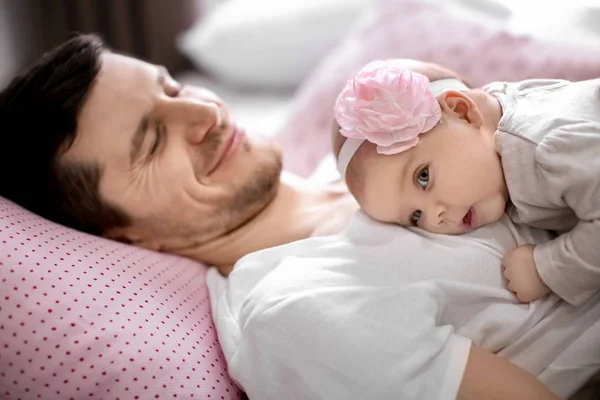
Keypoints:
pixel 254 53
pixel 145 28
pixel 243 49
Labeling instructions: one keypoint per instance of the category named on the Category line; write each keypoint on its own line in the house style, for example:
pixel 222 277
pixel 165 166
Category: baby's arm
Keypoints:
pixel 568 164
pixel 570 264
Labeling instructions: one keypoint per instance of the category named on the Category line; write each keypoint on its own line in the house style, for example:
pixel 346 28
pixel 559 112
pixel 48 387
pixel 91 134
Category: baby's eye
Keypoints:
pixel 415 217
pixel 423 177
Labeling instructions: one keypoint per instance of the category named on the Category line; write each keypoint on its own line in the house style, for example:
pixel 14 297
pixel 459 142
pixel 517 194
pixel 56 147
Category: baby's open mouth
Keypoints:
pixel 467 218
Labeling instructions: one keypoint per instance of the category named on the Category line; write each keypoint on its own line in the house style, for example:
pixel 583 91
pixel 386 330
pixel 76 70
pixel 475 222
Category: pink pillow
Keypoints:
pixel 86 317
pixel 428 31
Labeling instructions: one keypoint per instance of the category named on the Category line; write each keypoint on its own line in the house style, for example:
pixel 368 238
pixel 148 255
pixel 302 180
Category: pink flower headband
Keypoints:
pixel 388 105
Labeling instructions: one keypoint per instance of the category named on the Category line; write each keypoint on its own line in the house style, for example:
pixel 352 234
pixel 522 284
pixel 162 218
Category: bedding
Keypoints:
pixel 86 317
pixel 481 49
pixel 381 312
pixel 267 43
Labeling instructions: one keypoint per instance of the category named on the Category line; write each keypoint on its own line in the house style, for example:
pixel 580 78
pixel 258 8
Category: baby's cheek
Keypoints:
pixel 496 211
pixel 479 180
pixel 459 187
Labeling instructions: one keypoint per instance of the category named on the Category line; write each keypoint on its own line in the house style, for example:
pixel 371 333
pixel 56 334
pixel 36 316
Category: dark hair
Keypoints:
pixel 38 121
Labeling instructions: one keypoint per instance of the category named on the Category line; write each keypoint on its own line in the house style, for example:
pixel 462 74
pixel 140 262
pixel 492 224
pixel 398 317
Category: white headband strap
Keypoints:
pixel 350 146
pixel 346 153
pixel 443 85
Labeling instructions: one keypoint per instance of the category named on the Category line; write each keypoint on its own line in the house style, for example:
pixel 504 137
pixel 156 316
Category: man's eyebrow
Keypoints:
pixel 142 128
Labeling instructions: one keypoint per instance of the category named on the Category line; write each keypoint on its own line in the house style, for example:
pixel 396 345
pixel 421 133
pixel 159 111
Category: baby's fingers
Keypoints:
pixel 507 271
pixel 511 278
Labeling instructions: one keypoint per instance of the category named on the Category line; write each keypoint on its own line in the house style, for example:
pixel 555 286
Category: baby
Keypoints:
pixel 448 159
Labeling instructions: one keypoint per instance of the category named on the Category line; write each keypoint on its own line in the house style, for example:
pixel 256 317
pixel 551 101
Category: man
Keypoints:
pixel 114 146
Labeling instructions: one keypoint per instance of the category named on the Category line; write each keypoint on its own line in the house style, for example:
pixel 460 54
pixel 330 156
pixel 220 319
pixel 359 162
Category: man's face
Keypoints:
pixel 171 157
pixel 451 182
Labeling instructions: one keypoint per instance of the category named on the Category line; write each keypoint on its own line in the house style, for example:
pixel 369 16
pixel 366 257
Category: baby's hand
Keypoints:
pixel 522 275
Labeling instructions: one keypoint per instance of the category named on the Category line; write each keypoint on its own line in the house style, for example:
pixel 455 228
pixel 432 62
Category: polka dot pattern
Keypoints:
pixel 425 31
pixel 86 317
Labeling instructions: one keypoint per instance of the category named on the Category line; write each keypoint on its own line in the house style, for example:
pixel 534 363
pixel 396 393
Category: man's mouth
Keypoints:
pixel 229 148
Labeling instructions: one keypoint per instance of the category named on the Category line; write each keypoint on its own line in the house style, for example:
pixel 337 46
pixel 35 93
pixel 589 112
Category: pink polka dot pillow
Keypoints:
pixel 428 31
pixel 85 317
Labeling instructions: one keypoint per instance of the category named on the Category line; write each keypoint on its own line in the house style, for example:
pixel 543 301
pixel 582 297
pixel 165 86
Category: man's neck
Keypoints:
pixel 299 210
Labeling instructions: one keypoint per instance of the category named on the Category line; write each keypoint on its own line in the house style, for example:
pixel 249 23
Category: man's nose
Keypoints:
pixel 194 118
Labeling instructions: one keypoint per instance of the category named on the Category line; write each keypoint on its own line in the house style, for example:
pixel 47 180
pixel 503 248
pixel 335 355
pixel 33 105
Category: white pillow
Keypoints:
pixel 572 23
pixel 495 10
pixel 268 43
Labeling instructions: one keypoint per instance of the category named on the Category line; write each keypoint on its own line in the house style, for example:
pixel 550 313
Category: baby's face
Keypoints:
pixel 451 182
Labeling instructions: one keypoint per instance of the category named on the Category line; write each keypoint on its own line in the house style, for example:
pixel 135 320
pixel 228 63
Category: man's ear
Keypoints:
pixel 461 105
pixel 132 235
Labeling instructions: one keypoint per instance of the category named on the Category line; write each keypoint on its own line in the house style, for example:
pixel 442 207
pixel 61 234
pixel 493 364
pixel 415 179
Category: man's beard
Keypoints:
pixel 252 196
pixel 247 201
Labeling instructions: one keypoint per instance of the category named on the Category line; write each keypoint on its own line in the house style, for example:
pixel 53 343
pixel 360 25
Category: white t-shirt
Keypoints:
pixel 383 312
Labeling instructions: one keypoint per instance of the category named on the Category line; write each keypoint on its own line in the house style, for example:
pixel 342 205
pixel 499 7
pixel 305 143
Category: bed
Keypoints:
pixel 85 316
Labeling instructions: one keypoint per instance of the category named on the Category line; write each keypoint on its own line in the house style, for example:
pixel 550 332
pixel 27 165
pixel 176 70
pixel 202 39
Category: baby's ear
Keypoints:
pixel 462 106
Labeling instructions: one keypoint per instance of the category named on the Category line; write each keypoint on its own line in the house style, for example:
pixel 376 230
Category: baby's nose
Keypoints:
pixel 437 214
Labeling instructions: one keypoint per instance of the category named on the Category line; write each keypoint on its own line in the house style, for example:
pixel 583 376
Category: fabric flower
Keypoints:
pixel 387 105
